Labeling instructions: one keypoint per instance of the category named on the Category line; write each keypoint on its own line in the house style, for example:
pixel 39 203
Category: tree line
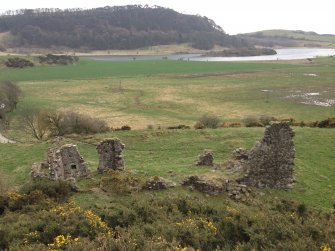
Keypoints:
pixel 118 27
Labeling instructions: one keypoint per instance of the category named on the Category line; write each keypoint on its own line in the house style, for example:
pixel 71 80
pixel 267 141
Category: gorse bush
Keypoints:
pixel 168 221
pixel 58 190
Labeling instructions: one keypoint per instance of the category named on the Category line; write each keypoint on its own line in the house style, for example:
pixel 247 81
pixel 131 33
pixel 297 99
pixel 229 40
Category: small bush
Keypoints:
pixel 290 120
pixel 210 121
pixel 53 123
pixel 58 59
pixel 199 125
pixel 123 128
pixel 234 124
pixel 178 127
pixel 82 124
pixel 120 182
pixel 252 121
pixel 328 123
pixel 18 63
pixel 265 119
pixel 57 190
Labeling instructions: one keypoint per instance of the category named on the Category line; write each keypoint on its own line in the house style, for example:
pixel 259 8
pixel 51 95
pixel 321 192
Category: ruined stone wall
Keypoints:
pixel 110 155
pixel 66 163
pixel 218 185
pixel 206 158
pixel 271 161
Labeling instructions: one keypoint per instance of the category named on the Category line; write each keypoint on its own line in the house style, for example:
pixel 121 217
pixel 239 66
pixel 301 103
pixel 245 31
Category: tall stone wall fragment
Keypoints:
pixel 110 155
pixel 271 161
pixel 66 163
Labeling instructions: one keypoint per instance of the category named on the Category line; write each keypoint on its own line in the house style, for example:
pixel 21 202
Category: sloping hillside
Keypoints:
pixel 119 27
pixel 289 38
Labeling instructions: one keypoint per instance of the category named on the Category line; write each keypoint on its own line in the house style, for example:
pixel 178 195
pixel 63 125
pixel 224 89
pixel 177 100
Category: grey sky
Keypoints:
pixel 234 16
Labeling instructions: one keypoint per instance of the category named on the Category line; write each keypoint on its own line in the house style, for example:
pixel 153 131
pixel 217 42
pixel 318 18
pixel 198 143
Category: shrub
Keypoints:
pixel 57 190
pixel 234 124
pixel 53 123
pixel 125 128
pixel 328 123
pixel 82 124
pixel 18 62
pixel 210 121
pixel 120 182
pixel 179 127
pixel 58 59
pixel 199 125
pixel 9 96
pixel 252 121
pixel 291 121
pixel 265 119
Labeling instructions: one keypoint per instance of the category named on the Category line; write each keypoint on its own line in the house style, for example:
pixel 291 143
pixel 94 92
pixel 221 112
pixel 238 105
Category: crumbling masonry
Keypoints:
pixel 271 161
pixel 110 155
pixel 66 163
pixel 206 158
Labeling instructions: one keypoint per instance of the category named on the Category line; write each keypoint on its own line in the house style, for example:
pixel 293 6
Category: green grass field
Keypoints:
pixel 172 154
pixel 161 94
pixel 164 93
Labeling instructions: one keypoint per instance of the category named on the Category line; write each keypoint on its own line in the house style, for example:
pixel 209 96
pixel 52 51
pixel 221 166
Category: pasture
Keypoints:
pixel 150 96
pixel 167 93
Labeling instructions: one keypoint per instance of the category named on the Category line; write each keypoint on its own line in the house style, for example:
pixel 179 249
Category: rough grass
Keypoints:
pixel 184 93
pixel 89 69
pixel 168 93
pixel 172 154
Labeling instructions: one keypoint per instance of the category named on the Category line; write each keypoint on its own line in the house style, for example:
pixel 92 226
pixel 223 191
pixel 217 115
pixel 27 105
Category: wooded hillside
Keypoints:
pixel 118 27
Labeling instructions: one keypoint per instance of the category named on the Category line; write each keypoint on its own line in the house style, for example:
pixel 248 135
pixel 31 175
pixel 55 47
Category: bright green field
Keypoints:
pixel 160 152
pixel 164 93
pixel 89 69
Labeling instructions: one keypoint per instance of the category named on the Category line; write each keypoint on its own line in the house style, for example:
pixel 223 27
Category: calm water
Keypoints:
pixel 282 54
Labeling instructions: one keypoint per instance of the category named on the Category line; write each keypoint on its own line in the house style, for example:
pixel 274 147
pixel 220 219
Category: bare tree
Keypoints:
pixel 35 123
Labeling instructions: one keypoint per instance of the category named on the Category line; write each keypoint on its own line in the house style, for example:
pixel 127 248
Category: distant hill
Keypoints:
pixel 118 27
pixel 289 38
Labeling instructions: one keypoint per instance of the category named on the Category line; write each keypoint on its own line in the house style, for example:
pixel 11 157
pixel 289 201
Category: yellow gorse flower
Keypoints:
pixel 198 222
pixel 14 195
pixel 93 220
pixel 60 242
pixel 325 248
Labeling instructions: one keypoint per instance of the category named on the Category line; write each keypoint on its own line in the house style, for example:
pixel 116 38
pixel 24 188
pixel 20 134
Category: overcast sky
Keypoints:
pixel 234 16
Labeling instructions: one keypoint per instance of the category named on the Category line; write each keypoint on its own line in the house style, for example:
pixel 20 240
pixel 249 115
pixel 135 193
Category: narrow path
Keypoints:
pixel 4 140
